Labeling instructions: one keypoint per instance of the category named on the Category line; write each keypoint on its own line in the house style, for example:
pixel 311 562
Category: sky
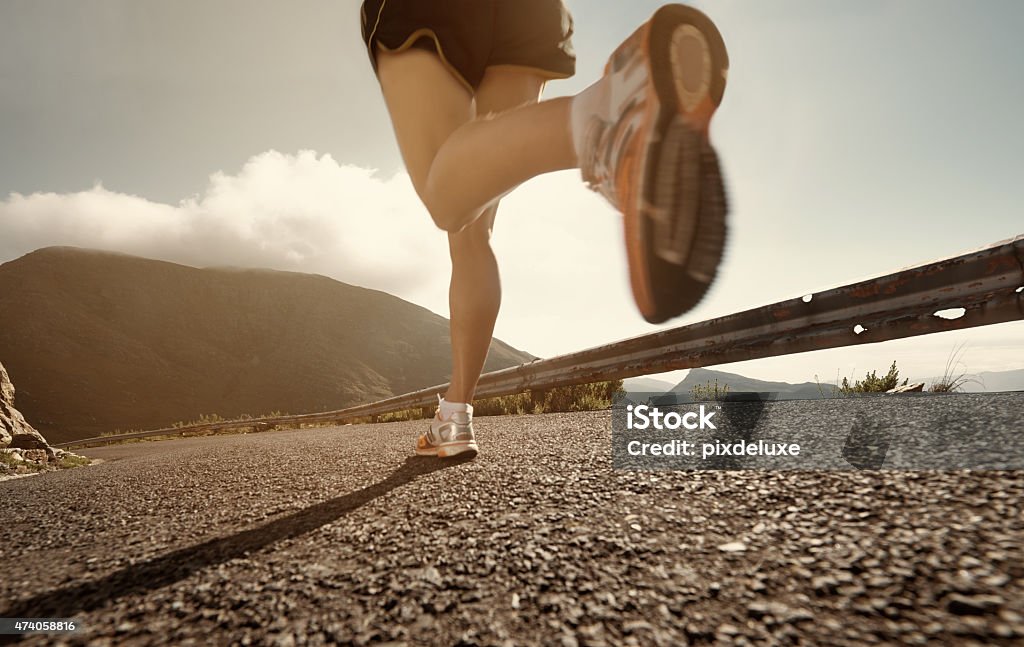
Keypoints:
pixel 857 138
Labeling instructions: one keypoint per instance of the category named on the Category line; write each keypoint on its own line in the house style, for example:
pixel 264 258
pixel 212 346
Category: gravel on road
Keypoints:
pixel 340 535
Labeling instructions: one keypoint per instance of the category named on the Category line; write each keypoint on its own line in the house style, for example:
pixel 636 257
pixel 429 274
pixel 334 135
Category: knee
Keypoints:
pixel 470 245
pixel 445 218
pixel 447 223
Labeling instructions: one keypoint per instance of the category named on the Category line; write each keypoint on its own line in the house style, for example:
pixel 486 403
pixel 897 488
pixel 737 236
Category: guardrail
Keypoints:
pixel 987 284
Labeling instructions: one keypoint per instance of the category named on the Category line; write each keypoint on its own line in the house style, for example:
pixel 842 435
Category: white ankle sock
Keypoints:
pixel 445 409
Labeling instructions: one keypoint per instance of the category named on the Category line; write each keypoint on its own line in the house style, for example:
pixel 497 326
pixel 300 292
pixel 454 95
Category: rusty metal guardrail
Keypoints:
pixel 988 284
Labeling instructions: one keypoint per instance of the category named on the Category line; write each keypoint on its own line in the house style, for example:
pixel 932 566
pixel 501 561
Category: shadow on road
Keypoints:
pixel 161 571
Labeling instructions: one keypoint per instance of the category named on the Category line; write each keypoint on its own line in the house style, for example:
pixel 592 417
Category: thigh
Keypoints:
pixel 507 86
pixel 426 103
pixel 502 88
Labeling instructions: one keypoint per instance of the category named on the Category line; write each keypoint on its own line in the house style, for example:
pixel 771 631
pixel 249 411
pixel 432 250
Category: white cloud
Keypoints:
pixel 291 212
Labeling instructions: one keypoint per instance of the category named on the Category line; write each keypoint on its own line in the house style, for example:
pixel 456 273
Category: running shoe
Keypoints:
pixel 446 438
pixel 652 158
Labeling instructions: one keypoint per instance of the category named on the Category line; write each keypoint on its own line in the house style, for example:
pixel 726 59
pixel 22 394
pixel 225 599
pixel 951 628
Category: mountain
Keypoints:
pixel 990 381
pixel 740 384
pixel 999 381
pixel 98 341
pixel 646 385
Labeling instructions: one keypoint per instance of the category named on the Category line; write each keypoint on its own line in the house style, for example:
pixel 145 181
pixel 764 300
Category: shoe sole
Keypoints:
pixel 450 449
pixel 675 232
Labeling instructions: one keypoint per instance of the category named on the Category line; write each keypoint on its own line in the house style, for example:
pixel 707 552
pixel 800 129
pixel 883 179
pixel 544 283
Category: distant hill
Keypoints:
pixel 740 384
pixel 646 385
pixel 96 341
pixel 990 381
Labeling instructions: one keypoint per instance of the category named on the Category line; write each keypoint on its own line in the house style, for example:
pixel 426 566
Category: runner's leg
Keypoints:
pixel 475 291
pixel 426 103
pixel 460 171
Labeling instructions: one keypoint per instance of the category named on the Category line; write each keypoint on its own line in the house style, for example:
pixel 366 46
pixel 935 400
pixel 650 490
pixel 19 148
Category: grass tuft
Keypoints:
pixel 709 392
pixel 874 384
pixel 952 380
pixel 68 461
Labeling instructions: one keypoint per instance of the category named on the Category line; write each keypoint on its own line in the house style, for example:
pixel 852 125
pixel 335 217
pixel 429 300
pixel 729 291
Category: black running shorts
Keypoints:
pixel 471 35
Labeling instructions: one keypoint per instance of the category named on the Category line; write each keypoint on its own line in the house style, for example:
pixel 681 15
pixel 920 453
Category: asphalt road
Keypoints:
pixel 340 535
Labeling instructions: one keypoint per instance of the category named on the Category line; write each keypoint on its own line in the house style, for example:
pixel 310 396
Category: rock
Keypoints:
pixel 431 575
pixel 908 388
pixel 728 630
pixel 733 547
pixel 634 626
pixel 997 581
pixel 973 605
pixel 16 433
pixel 27 441
pixel 825 584
pixel 12 423
pixel 798 615
pixel 35 456
pixel 779 611
pixel 14 454
pixel 759 609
